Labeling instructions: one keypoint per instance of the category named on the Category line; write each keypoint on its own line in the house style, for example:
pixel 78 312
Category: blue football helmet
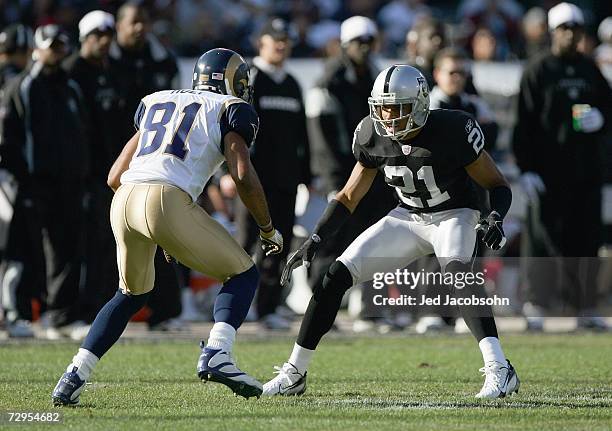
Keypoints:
pixel 223 71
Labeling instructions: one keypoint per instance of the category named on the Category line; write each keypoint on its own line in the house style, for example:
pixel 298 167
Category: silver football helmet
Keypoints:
pixel 404 86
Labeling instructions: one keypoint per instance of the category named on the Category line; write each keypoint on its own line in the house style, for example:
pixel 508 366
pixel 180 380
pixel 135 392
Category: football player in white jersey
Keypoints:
pixel 433 160
pixel 182 137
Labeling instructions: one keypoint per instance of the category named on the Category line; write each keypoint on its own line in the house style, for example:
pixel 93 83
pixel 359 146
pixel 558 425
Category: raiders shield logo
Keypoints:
pixel 406 149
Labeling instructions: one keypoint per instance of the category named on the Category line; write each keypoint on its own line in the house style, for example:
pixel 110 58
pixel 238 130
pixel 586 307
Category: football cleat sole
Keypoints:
pixel 62 400
pixel 239 388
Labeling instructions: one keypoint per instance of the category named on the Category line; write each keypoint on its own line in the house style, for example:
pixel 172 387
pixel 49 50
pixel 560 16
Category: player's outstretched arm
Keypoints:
pixel 123 162
pixel 250 190
pixel 486 174
pixel 336 213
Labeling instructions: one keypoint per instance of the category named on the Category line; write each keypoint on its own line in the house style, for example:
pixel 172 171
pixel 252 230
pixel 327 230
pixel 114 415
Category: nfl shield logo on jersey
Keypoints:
pixel 406 149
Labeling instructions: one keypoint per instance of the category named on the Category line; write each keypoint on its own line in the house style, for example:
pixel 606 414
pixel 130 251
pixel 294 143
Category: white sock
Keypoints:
pixel 300 358
pixel 85 361
pixel 491 350
pixel 222 336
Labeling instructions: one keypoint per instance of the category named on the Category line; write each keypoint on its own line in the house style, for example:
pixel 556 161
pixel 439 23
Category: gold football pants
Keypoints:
pixel 144 216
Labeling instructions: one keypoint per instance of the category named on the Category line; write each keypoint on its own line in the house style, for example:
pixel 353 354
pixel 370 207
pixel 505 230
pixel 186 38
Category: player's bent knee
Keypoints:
pixel 338 280
pixel 135 301
pixel 250 275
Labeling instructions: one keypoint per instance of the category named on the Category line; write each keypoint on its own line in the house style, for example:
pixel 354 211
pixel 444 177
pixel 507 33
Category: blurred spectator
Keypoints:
pixel 324 37
pixel 15 51
pixel 334 108
pixel 281 156
pixel 397 18
pixel 45 147
pixel 587 44
pixel 196 29
pixel 484 45
pixel 299 30
pixel 500 17
pixel 423 42
pixel 143 66
pixel 90 68
pixel 365 8
pixel 140 62
pixel 564 103
pixel 450 73
pixel 535 33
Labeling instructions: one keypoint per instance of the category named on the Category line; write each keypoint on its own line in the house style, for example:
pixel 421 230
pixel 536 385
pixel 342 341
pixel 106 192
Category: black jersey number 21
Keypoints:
pixel 405 192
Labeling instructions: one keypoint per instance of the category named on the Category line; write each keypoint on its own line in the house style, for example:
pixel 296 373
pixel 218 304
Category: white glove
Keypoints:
pixel 532 185
pixel 591 120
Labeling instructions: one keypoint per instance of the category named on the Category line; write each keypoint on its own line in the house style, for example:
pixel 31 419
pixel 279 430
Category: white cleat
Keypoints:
pixel 289 381
pixel 216 365
pixel 501 380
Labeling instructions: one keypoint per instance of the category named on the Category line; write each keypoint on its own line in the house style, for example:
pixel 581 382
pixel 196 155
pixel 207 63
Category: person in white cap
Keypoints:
pixel 334 107
pixel 563 107
pixel 90 68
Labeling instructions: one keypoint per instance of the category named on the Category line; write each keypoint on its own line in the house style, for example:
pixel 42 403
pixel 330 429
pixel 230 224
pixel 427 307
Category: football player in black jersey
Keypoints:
pixel 433 160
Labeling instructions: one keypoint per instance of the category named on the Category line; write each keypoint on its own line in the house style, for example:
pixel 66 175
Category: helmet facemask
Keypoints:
pixel 397 126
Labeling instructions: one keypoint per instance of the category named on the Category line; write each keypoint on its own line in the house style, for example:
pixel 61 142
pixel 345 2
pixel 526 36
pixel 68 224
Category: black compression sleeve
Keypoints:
pixel 333 218
pixel 500 198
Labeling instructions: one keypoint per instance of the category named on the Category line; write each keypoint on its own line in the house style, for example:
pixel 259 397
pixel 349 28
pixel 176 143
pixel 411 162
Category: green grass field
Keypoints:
pixel 387 383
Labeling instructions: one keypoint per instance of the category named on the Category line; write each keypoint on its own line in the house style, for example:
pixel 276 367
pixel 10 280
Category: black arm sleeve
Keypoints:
pixel 332 220
pixel 500 198
pixel 242 119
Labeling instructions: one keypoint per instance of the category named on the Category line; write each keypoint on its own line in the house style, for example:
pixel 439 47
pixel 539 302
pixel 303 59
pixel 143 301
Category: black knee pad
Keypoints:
pixel 337 280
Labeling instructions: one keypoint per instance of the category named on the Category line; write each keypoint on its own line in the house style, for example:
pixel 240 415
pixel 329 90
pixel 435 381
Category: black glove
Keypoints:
pixel 494 236
pixel 304 255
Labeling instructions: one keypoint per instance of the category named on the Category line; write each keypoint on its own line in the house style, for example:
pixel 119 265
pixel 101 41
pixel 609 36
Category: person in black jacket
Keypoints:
pixel 15 51
pixel 44 146
pixel 141 63
pixel 143 66
pixel 90 68
pixel 282 156
pixel 564 104
pixel 334 107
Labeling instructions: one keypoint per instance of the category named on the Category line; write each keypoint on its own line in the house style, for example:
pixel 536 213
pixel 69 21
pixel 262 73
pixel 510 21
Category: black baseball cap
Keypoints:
pixel 275 27
pixel 15 37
